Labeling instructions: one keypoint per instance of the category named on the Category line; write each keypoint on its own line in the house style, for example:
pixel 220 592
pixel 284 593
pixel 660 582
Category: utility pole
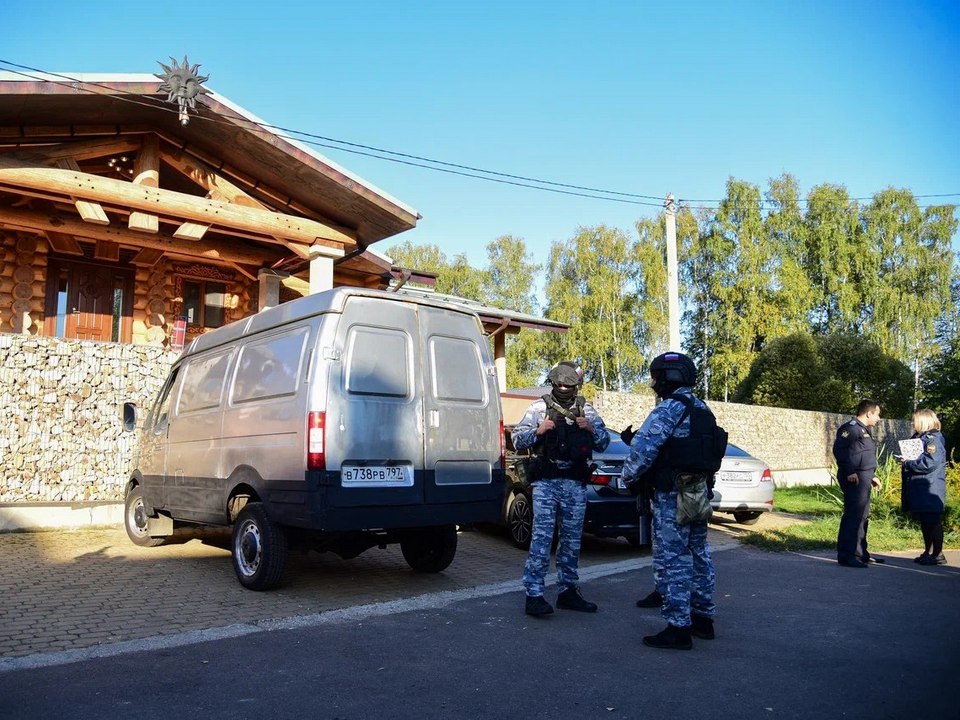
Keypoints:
pixel 673 294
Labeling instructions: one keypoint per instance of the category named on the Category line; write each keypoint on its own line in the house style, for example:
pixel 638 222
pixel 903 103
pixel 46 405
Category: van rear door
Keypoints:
pixel 374 416
pixel 462 434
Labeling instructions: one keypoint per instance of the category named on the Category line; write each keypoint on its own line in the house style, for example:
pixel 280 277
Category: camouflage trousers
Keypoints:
pixel 657 559
pixel 559 501
pixel 687 577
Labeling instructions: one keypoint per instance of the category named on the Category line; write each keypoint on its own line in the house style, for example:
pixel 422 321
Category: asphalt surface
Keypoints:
pixel 798 637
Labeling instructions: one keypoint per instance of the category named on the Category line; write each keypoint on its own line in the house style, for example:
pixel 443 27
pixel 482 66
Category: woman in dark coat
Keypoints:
pixel 925 486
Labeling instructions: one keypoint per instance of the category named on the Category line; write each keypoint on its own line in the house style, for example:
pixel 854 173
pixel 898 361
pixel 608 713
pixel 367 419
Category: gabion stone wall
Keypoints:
pixel 784 439
pixel 61 412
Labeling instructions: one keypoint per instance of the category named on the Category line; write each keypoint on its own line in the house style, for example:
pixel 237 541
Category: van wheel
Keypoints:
pixel 259 548
pixel 430 550
pixel 135 520
pixel 746 517
pixel 520 521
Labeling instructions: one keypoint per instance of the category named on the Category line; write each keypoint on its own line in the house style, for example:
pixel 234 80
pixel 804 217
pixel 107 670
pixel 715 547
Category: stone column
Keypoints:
pixel 269 282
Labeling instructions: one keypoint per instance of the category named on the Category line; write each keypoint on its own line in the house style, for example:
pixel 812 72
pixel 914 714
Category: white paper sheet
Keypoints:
pixel 911 449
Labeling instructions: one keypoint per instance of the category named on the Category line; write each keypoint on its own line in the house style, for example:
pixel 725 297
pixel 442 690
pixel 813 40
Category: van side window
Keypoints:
pixel 455 370
pixel 377 362
pixel 269 368
pixel 203 382
pixel 160 412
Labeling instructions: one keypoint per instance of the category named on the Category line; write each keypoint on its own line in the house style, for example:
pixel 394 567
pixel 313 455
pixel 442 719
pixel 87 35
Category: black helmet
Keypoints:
pixel 674 369
pixel 566 373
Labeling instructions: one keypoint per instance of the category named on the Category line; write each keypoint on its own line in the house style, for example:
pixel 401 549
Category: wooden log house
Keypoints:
pixel 116 219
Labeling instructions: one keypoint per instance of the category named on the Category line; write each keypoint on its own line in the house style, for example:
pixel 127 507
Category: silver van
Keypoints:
pixel 341 421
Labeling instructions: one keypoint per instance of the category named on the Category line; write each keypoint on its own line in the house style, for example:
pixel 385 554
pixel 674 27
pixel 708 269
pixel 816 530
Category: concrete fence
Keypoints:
pixel 796 444
pixel 65 458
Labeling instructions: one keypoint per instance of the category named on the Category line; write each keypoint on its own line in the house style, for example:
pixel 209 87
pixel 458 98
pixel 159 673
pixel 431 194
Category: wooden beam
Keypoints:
pixel 243 271
pixel 217 186
pixel 106 250
pixel 214 251
pixel 190 231
pixel 301 251
pixel 147 257
pixel 146 172
pixel 93 188
pixel 81 150
pixel 64 244
pixel 91 212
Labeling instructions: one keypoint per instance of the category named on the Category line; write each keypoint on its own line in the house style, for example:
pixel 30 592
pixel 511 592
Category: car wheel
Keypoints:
pixel 135 520
pixel 430 550
pixel 520 521
pixel 746 517
pixel 259 548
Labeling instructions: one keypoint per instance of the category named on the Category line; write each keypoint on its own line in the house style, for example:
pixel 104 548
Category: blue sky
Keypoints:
pixel 632 96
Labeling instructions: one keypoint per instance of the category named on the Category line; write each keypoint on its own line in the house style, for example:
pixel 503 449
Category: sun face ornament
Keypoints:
pixel 182 84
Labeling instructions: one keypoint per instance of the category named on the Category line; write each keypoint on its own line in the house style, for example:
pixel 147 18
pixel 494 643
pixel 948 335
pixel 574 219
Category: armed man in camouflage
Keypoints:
pixel 562 429
pixel 686 578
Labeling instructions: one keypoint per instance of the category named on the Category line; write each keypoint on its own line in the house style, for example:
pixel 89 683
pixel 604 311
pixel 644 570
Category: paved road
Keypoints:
pixel 798 637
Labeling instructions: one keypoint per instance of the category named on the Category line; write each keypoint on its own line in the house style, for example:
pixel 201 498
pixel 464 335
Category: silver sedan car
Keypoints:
pixel 744 486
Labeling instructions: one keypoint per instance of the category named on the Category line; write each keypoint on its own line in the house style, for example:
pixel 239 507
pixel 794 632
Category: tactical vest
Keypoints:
pixel 701 452
pixel 566 443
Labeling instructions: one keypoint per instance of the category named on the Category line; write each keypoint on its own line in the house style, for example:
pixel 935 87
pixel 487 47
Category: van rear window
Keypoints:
pixel 269 368
pixel 378 362
pixel 456 370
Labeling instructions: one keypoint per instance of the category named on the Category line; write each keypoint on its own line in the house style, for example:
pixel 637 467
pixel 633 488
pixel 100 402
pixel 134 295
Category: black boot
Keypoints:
pixel 671 638
pixel 701 626
pixel 653 600
pixel 537 606
pixel 571 599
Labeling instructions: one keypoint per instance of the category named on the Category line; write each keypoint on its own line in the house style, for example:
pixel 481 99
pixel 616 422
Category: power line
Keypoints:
pixel 410 159
pixel 368 150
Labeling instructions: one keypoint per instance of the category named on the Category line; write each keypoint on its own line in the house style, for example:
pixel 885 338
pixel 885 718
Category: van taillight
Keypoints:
pixel 766 477
pixel 316 458
pixel 503 448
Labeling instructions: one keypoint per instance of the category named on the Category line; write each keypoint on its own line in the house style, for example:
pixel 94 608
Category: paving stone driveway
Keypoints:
pixel 67 590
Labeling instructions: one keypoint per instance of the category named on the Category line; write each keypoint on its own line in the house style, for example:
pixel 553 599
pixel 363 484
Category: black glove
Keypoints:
pixel 627 434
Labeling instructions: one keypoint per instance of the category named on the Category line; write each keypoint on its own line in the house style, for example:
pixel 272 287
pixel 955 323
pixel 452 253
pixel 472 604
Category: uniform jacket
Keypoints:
pixel 524 433
pixel 660 425
pixel 854 450
pixel 924 479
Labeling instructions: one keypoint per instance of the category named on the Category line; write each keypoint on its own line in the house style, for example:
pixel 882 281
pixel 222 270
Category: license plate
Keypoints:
pixel 733 476
pixel 377 475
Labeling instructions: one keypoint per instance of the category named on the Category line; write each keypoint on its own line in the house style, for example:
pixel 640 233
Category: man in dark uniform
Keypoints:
pixel 856 454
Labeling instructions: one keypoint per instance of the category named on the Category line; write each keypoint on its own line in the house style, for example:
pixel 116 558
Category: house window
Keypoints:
pixel 203 303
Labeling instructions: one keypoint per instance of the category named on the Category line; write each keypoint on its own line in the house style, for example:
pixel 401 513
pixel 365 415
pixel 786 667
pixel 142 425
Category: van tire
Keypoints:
pixel 430 550
pixel 135 519
pixel 258 547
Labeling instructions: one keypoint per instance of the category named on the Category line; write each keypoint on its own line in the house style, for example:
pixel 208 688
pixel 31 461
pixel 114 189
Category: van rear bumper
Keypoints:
pixel 323 504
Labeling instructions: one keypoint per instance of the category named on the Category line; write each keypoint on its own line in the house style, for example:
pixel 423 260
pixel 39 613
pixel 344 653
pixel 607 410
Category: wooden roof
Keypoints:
pixel 255 197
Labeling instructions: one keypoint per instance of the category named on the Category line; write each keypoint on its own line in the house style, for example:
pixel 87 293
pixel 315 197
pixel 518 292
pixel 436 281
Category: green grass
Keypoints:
pixel 821 508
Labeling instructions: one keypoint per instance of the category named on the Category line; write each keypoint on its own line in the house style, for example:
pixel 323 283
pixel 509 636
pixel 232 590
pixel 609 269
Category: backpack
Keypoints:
pixel 700 452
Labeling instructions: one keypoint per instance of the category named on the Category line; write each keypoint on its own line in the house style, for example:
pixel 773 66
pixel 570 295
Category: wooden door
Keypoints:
pixel 89 302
